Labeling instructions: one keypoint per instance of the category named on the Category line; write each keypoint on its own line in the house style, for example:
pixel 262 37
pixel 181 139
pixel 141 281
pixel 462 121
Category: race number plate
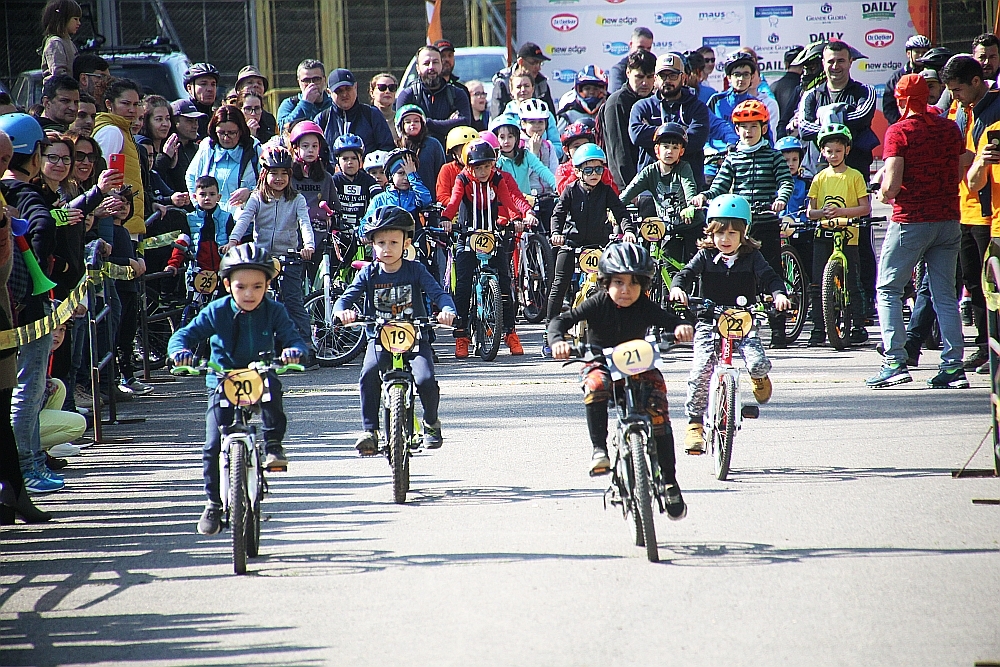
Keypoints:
pixel 205 282
pixel 631 358
pixel 735 323
pixel 398 337
pixel 652 229
pixel 243 387
pixel 483 242
pixel 589 259
pixel 410 253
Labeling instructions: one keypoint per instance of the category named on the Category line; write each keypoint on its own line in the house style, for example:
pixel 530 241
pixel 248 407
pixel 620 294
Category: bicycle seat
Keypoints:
pixel 359 264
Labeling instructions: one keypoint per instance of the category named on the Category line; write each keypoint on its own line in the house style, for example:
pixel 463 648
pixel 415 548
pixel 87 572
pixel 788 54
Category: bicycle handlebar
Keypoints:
pixel 210 366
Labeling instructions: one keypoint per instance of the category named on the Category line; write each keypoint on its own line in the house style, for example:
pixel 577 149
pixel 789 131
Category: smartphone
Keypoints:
pixel 116 161
pixel 993 136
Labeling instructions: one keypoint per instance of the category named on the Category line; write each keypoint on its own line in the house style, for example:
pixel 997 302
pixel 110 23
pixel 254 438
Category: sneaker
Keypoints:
pixel 976 359
pixel 889 376
pixel 309 361
pixel 762 389
pixel 514 343
pixel 137 388
pixel 858 336
pixel 600 463
pixel 778 342
pixel 210 522
pixel 546 348
pixel 817 338
pixel 676 508
pixel 367 445
pixel 954 379
pixel 983 370
pixel 432 435
pixel 63 450
pixel 122 393
pixel 275 458
pixel 52 463
pixel 462 348
pixel 36 483
pixel 694 439
pixel 82 397
pixel 912 360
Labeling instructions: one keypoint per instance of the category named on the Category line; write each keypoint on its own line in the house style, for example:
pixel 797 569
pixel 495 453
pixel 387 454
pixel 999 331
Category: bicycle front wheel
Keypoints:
pixel 238 518
pixel 335 345
pixel 489 327
pixel 399 452
pixel 253 519
pixel 797 288
pixel 642 493
pixel 838 322
pixel 537 266
pixel 724 428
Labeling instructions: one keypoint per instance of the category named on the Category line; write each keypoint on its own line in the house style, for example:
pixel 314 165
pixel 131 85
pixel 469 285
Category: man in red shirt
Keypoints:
pixel 922 153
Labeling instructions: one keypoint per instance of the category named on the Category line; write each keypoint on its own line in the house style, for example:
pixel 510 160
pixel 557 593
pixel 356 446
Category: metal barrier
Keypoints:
pixel 991 288
pixel 145 320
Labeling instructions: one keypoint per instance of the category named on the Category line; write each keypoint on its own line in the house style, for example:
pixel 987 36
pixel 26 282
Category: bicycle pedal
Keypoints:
pixel 750 411
pixel 695 452
pixel 277 468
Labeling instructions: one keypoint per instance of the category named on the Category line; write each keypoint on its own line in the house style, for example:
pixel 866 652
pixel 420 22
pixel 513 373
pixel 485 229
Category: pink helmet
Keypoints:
pixel 491 139
pixel 303 128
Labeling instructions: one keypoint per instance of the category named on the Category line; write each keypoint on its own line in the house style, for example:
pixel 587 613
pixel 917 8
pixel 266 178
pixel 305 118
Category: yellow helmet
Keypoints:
pixel 459 136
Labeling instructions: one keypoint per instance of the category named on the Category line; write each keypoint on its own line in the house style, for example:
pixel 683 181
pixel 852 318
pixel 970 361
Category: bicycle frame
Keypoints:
pixel 724 367
pixel 242 434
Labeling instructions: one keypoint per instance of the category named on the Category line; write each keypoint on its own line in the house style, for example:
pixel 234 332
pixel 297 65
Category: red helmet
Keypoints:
pixel 751 110
pixel 576 131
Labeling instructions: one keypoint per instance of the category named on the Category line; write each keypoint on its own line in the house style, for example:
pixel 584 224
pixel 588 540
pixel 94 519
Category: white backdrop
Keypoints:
pixel 575 33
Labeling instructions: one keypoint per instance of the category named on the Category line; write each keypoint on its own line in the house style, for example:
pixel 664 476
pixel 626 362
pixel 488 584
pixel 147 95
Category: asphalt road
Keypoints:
pixel 841 537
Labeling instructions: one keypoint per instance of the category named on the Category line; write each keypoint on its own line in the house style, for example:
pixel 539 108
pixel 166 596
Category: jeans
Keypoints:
pixel 921 318
pixel 290 288
pixel 26 403
pixel 904 245
pixel 422 367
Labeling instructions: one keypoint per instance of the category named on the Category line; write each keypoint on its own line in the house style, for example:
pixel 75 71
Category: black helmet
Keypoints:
pixel 478 152
pixel 630 258
pixel 936 58
pixel 275 156
pixel 200 69
pixel 247 256
pixel 389 217
pixel 674 131
pixel 738 59
pixel 394 156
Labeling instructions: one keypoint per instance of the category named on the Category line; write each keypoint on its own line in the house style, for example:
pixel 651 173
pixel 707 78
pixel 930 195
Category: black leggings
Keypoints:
pixel 769 236
pixel 597 424
pixel 561 279
pixel 10 465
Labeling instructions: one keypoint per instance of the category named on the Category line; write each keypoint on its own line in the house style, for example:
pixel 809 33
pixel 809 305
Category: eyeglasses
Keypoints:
pixel 670 76
pixel 740 75
pixel 95 75
pixel 252 110
pixel 481 93
pixel 86 157
pixel 312 79
pixel 390 87
pixel 52 158
pixel 590 171
pixel 228 133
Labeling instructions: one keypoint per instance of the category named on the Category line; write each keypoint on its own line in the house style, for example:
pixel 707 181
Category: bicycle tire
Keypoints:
pixel 642 493
pixel 835 316
pixel 536 277
pixel 399 450
pixel 724 429
pixel 238 504
pixel 489 330
pixel 797 289
pixel 335 345
pixel 253 525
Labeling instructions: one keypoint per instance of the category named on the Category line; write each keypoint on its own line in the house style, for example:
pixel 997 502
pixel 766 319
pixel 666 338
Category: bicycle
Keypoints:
pixel 588 258
pixel 532 265
pixel 335 345
pixel 486 310
pixel 794 273
pixel 243 484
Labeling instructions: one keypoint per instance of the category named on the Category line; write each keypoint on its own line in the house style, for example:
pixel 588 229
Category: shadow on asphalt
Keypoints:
pixel 741 554
pixel 814 474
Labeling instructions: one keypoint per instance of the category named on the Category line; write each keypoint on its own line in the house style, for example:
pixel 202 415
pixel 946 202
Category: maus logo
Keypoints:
pixel 564 22
pixel 616 48
pixel 879 38
pixel 825 36
pixel 719 17
pixel 668 18
pixel 616 21
pixel 878 11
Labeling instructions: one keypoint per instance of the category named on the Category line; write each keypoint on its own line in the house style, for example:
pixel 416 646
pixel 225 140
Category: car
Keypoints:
pixel 472 63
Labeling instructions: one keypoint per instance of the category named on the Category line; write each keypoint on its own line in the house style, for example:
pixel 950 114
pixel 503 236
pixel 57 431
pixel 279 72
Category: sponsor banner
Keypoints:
pixel 576 33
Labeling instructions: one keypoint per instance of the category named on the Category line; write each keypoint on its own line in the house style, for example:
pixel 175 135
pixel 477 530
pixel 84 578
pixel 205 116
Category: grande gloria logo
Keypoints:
pixel 564 22
pixel 826 15
pixel 878 11
pixel 667 18
pixel 879 38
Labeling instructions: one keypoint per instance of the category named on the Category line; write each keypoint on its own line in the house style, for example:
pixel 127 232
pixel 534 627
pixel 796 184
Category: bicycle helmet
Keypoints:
pixel 304 127
pixel 833 130
pixel 918 42
pixel 348 142
pixel 395 158
pixel 533 109
pixel 459 136
pixel 739 59
pixel 24 132
pixel 589 152
pixel 789 143
pixel 730 206
pixel 812 52
pixel 575 131
pixel 406 110
pixel 936 58
pixel 389 217
pixel 671 131
pixel 591 75
pixel 201 69
pixel 490 138
pixel 625 258
pixel 275 156
pixel 247 256
pixel 505 120
pixel 478 152
pixel 751 110
pixel 376 160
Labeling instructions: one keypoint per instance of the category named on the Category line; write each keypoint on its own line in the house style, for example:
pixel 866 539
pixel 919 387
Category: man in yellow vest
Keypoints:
pixel 113 131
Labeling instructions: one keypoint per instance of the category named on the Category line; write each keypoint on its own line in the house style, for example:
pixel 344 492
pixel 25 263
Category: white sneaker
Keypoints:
pixel 64 450
pixel 137 388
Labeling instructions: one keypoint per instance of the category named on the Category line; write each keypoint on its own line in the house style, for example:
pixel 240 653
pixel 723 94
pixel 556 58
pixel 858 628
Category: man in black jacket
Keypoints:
pixel 186 120
pixel 348 115
pixel 447 50
pixel 623 155
pixel 529 57
pixel 787 90
pixel 61 101
pixel 445 105
pixel 642 40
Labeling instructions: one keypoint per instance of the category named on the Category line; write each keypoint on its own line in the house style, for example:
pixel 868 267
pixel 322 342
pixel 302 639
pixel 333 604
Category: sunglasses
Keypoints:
pixel 709 60
pixel 590 171
pixel 86 157
pixel 52 158
pixel 390 87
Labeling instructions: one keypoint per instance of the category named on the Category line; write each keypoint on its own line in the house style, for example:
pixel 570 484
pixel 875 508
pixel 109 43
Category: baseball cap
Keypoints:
pixel 930 74
pixel 339 78
pixel 531 50
pixel 669 61
pixel 248 72
pixel 444 45
pixel 186 108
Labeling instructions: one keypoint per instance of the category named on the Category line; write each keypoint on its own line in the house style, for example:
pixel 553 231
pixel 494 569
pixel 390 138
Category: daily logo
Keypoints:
pixel 616 21
pixel 879 38
pixel 564 22
pixel 878 11
pixel 574 50
pixel 667 18
pixel 616 48
pixel 825 36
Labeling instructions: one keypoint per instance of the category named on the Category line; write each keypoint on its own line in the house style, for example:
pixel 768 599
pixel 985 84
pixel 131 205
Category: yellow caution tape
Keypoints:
pixel 160 241
pixel 34 330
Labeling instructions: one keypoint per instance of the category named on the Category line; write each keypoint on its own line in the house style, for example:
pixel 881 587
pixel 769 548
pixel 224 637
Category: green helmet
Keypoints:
pixel 833 130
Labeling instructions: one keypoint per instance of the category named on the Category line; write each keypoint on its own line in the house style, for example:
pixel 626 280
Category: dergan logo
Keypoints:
pixel 616 21
pixel 879 38
pixel 564 75
pixel 773 38
pixel 616 48
pixel 564 22
pixel 668 18
pixel 565 50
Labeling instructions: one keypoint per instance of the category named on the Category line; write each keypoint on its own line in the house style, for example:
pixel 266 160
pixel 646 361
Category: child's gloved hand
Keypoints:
pixel 561 350
pixel 291 355
pixel 684 333
pixel 346 316
pixel 182 358
pixel 446 317
pixel 781 302
pixel 688 213
pixel 679 295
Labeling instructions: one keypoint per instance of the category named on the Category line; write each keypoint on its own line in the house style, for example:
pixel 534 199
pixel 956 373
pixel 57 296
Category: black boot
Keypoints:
pixel 21 506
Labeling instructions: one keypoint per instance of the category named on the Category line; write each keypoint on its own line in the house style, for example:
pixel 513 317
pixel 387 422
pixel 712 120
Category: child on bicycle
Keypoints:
pixel 390 230
pixel 573 137
pixel 838 192
pixel 580 218
pixel 355 186
pixel 730 265
pixel 310 176
pixel 209 225
pixel 405 190
pixel 280 219
pixel 375 166
pixel 458 138
pixel 481 188
pixel 619 312
pixel 240 328
pixel 760 174
pixel 536 119
pixel 528 171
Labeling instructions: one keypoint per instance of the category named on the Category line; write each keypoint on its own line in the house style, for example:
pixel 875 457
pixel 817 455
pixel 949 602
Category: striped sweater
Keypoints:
pixel 758 173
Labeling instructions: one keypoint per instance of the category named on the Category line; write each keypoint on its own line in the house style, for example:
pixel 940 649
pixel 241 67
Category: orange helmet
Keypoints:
pixel 750 110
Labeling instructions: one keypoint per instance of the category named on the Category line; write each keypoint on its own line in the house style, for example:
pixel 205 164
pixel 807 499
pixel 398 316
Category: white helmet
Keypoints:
pixel 376 160
pixel 532 109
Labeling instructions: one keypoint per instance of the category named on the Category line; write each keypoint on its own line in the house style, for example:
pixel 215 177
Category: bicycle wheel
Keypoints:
pixel 537 266
pixel 238 504
pixel 399 452
pixel 253 520
pixel 642 493
pixel 724 429
pixel 797 288
pixel 838 322
pixel 489 329
pixel 335 345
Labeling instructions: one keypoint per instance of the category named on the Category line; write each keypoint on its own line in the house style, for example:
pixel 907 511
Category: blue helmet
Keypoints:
pixel 348 142
pixel 788 143
pixel 24 132
pixel 589 152
pixel 730 206
pixel 504 119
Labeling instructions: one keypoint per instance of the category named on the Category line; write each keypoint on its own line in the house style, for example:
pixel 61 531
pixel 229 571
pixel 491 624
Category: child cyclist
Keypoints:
pixel 375 166
pixel 390 229
pixel 239 328
pixel 481 189
pixel 355 187
pixel 536 119
pixel 620 312
pixel 729 266
pixel 528 171
pixel 837 192
pixel 209 225
pixel 575 135
pixel 458 138
pixel 405 189
pixel 310 175
pixel 411 122
pixel 760 174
